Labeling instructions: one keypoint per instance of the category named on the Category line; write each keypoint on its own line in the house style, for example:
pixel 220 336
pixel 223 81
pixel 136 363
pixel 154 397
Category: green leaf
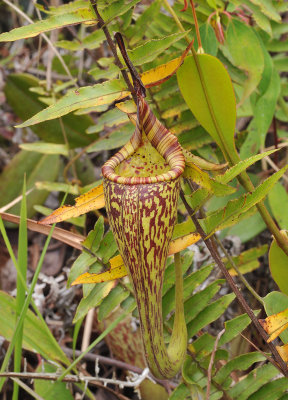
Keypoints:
pixel 268 9
pixel 234 208
pixel 94 238
pixel 57 187
pixel 114 298
pixel 93 299
pixel 278 263
pixel 110 118
pixel 117 8
pixel 110 73
pixel 272 390
pixel 50 390
pixel 182 392
pixel 277 197
pixel 91 42
pixel 107 248
pixel 253 220
pixel 240 36
pixel 242 362
pixel 55 22
pixel 26 103
pixel 135 33
pixel 232 172
pixel 281 63
pixel 35 337
pixel 36 166
pixel 263 111
pixel 274 303
pixel 87 96
pixel 203 179
pixel 253 381
pixel 210 313
pixel 152 48
pixel 45 148
pixel 208 39
pixel 190 283
pixel 208 91
pixel 261 20
pixel 114 140
pixel 81 265
pixel 62 9
pixel 200 300
pixel 233 328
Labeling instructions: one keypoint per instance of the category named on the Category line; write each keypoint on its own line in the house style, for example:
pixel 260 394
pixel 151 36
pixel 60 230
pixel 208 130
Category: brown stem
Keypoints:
pixel 200 48
pixel 103 26
pixel 214 253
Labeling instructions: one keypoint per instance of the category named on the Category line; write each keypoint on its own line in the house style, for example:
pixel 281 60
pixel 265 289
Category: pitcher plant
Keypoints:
pixel 141 189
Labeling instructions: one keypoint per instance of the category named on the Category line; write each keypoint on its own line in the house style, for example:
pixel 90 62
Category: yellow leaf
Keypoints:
pixel 92 200
pixel 163 72
pixel 110 275
pixel 128 107
pixel 283 351
pixel 182 242
pixel 118 269
pixel 275 324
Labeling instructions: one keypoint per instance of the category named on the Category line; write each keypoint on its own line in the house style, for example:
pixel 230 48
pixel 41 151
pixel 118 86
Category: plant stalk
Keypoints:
pixel 103 26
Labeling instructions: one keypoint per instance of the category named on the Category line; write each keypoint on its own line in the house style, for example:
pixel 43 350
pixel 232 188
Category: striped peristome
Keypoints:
pixel 161 139
pixel 142 212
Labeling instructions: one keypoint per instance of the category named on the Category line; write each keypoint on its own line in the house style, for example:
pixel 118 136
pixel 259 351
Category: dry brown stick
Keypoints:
pixel 115 363
pixel 214 253
pixel 55 376
pixel 212 358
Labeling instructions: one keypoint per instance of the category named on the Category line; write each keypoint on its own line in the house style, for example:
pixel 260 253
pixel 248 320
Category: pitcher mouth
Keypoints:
pixel 160 138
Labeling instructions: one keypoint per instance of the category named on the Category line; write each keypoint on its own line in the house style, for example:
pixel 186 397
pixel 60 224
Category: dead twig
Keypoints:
pixel 209 372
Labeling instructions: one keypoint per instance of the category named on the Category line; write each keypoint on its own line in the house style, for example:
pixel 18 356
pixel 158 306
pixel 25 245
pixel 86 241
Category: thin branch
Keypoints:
pixel 212 358
pixel 115 363
pixel 261 351
pixel 214 253
pixel 133 381
pixel 241 277
pixel 112 46
pixel 69 378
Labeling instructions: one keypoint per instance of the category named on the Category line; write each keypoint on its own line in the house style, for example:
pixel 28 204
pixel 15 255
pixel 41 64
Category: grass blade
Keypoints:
pixel 21 286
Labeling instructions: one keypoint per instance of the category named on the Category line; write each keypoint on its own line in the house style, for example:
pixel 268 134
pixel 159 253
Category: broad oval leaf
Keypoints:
pixel 240 36
pixel 58 21
pixel 208 91
pixel 278 263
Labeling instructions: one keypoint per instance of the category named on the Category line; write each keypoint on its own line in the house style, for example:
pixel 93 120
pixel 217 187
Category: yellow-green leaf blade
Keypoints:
pixel 87 96
pixel 55 22
pixel 208 91
pixel 92 200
